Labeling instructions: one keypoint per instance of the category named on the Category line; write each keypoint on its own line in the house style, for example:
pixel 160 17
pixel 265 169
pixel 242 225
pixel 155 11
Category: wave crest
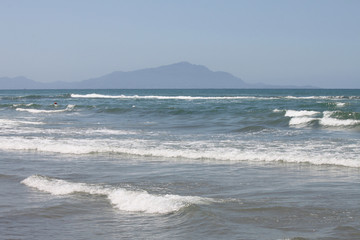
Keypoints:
pixel 326 118
pixel 314 152
pixel 69 107
pixel 121 198
pixel 96 95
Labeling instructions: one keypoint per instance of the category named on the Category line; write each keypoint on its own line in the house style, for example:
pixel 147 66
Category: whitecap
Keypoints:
pixel 68 108
pixel 301 120
pixel 301 113
pixel 95 95
pixel 321 152
pixel 327 120
pixel 121 198
pixel 340 104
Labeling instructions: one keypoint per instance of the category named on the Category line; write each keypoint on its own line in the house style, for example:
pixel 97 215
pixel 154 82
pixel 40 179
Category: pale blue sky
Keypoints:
pixel 303 42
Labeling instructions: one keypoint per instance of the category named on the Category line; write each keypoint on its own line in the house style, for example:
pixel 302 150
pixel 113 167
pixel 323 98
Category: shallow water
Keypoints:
pixel 180 164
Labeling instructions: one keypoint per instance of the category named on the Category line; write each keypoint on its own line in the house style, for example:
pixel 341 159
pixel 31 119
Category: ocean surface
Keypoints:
pixel 180 164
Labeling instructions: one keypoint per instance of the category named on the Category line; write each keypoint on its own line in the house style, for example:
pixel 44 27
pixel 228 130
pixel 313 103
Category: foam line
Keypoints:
pixel 96 95
pixel 314 152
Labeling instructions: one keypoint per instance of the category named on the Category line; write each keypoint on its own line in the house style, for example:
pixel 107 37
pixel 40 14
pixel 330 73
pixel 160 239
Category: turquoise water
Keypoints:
pixel 180 164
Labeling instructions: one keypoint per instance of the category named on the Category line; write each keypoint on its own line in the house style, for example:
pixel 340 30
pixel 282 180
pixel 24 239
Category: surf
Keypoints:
pixel 121 198
pixel 316 152
pixel 69 108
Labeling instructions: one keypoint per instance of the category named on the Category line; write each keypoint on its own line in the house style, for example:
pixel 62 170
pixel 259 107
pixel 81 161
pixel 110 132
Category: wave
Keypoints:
pixel 95 95
pixel 69 107
pixel 308 151
pixel 35 96
pixel 121 198
pixel 302 120
pixel 25 105
pixel 303 117
pixel 25 127
pixel 322 97
pixel 340 104
pixel 326 118
pixel 302 113
pixel 7 123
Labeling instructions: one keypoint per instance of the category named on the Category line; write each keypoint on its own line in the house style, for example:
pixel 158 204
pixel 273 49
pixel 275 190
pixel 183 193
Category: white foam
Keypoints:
pixel 338 122
pixel 28 105
pixel 21 127
pixel 68 108
pixel 314 152
pixel 142 201
pixel 94 95
pixel 327 120
pixel 8 123
pixel 301 120
pixel 318 97
pixel 340 104
pixel 121 198
pixel 103 131
pixel 304 117
pixel 302 113
pixel 60 187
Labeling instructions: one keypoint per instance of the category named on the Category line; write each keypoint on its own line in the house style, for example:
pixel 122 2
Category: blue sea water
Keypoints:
pixel 180 164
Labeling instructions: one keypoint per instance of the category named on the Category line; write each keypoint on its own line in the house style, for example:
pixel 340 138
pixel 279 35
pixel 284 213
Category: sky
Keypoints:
pixel 285 42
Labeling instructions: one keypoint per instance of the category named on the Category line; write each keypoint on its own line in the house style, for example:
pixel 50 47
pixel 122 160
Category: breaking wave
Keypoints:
pixel 96 95
pixel 31 110
pixel 35 96
pixel 303 113
pixel 326 118
pixel 308 151
pixel 121 198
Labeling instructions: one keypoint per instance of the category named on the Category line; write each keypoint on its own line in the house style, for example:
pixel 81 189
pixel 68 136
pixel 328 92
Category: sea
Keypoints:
pixel 180 164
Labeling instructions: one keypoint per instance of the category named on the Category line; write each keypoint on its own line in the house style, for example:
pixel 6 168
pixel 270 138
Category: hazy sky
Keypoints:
pixel 303 42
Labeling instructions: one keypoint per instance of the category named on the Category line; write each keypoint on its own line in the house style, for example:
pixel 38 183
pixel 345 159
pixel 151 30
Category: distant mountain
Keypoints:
pixel 19 83
pixel 181 75
pixel 178 75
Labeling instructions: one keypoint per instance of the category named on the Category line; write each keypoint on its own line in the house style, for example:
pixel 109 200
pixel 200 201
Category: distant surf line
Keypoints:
pixel 96 95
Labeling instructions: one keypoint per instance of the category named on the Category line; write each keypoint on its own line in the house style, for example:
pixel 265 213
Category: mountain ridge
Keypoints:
pixel 181 75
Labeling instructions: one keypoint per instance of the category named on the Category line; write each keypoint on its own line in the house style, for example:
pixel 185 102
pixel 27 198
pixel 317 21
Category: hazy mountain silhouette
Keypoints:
pixel 181 75
pixel 19 83
pixel 178 75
